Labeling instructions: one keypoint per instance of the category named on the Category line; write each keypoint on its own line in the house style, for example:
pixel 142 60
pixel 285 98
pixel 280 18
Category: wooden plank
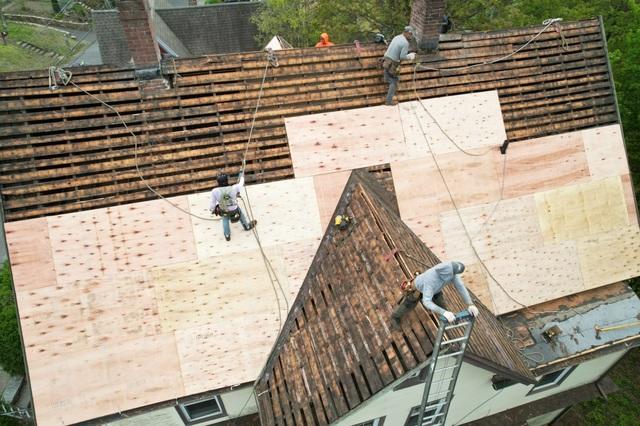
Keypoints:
pixel 29 247
pixel 116 378
pixel 583 209
pixel 609 257
pixel 629 196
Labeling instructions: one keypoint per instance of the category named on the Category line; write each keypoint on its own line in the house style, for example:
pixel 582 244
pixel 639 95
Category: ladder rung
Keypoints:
pixel 461 324
pixel 437 370
pixel 439 404
pixel 448 342
pixel 448 379
pixel 450 355
pixel 429 418
pixel 439 393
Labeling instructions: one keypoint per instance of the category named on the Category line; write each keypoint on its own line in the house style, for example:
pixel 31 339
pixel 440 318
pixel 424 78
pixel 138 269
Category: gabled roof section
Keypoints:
pixel 338 346
pixel 62 151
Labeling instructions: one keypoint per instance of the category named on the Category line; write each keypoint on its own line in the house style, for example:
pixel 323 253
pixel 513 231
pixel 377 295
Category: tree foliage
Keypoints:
pixel 10 346
pixel 301 22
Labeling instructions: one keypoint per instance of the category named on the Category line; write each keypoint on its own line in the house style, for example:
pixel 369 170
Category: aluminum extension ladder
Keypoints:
pixel 443 369
pixel 12 411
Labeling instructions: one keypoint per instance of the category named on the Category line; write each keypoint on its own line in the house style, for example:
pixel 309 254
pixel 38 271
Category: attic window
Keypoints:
pixel 375 422
pixel 201 410
pixel 551 380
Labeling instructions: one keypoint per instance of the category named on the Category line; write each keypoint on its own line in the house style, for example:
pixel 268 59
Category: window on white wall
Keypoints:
pixel 433 414
pixel 551 380
pixel 201 410
pixel 375 422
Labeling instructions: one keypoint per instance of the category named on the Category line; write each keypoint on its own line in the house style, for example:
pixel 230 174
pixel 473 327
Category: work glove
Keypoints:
pixel 473 310
pixel 450 317
pixel 411 56
pixel 216 210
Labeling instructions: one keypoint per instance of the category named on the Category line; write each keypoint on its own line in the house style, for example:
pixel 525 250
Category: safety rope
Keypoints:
pixel 547 23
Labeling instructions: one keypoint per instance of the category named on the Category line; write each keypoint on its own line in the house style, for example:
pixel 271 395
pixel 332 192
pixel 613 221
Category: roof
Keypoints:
pixel 214 29
pixel 187 31
pixel 62 151
pixel 338 346
pixel 576 318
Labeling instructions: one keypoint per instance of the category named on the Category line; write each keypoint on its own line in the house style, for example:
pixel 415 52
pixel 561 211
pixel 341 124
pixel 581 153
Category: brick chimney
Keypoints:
pixel 134 16
pixel 427 19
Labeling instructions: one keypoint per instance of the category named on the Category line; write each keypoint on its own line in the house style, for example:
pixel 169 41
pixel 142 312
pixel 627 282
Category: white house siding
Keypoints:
pixel 233 402
pixel 474 397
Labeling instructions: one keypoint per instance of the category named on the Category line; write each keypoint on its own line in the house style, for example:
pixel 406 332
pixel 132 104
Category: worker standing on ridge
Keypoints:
pixel 324 41
pixel 224 202
pixel 397 51
pixel 431 282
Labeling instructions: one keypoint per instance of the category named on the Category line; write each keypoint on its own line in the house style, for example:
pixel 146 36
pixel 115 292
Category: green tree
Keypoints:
pixel 55 6
pixel 301 22
pixel 10 346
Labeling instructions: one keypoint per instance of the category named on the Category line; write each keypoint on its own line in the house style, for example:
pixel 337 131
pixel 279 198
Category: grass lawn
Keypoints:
pixel 15 58
pixel 622 408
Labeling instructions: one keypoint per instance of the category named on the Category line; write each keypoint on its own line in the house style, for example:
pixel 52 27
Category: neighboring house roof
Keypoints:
pixel 339 346
pixel 573 319
pixel 63 151
pixel 110 36
pixel 212 29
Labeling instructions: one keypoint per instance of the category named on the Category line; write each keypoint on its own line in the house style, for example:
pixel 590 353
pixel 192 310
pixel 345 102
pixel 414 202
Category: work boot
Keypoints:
pixel 251 225
pixel 227 237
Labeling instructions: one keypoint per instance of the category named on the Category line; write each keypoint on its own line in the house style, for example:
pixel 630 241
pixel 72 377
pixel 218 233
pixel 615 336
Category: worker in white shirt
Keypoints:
pixel 224 203
pixel 431 282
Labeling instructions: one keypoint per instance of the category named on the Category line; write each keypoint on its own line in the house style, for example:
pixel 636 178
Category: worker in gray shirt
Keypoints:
pixel 431 282
pixel 397 51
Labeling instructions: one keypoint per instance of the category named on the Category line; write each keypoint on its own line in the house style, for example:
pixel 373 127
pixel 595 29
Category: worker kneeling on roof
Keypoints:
pixel 224 202
pixel 431 282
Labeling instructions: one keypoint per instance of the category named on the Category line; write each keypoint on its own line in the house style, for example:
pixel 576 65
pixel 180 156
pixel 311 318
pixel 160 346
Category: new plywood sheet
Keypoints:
pixel 630 199
pixel 30 254
pixel 544 163
pixel 217 289
pixel 605 151
pixel 344 140
pixel 610 257
pixel 472 122
pixel 494 228
pixel 286 211
pixel 532 276
pixel 219 355
pixel 475 280
pixel 297 257
pixel 97 244
pixel 58 320
pixel 328 189
pixel 118 377
pixel 579 210
pixel 421 191
pixel 428 229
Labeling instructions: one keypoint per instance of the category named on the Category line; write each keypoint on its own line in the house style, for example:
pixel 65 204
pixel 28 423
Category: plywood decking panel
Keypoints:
pixel 630 199
pixel 286 211
pixel 475 279
pixel 428 229
pixel 610 257
pixel 533 276
pixel 296 258
pixel 344 140
pixel 117 377
pixel 60 320
pixel 494 228
pixel 216 289
pixel 440 122
pixel 30 254
pixel 605 151
pixel 544 163
pixel 580 210
pixel 328 188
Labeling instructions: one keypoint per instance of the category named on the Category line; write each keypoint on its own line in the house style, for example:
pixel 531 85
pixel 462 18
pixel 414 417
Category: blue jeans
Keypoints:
pixel 392 79
pixel 226 228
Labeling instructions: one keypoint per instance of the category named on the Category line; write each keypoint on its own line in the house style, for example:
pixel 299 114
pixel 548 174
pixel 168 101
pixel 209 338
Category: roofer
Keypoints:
pixel 431 282
pixel 397 51
pixel 324 41
pixel 224 202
